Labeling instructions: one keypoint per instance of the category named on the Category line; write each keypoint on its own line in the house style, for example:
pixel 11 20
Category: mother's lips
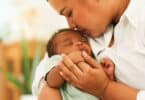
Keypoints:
pixel 86 32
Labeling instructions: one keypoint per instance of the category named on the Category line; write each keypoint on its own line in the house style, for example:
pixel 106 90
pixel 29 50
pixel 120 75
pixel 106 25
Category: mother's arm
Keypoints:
pixel 118 91
pixel 90 77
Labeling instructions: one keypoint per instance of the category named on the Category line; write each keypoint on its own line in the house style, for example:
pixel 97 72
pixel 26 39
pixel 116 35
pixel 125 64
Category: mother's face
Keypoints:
pixel 89 16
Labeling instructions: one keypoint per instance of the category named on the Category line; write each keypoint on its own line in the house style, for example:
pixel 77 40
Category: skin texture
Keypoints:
pixel 92 17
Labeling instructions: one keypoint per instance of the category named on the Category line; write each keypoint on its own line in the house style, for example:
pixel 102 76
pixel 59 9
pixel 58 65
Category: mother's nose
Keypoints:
pixel 71 23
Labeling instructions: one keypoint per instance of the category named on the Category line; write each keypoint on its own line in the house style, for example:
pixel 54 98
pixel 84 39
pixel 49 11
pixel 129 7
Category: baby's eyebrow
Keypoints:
pixel 84 40
pixel 66 40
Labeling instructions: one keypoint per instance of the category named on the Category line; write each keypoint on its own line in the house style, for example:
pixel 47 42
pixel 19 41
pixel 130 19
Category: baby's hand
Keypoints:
pixel 109 68
pixel 76 57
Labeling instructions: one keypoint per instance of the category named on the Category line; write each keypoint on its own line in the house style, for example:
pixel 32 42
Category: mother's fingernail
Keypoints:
pixel 61 73
pixel 84 54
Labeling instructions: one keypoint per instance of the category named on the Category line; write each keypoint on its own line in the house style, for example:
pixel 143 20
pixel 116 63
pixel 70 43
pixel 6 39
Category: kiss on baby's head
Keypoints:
pixel 66 41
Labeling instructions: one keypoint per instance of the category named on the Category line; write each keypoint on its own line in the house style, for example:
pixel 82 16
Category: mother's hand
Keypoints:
pixel 87 76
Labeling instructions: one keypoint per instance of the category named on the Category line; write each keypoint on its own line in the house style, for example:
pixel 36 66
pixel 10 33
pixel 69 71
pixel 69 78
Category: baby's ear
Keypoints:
pixel 76 57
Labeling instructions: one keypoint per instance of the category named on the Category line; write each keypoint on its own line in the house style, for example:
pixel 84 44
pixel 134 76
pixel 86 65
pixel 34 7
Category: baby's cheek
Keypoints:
pixel 76 57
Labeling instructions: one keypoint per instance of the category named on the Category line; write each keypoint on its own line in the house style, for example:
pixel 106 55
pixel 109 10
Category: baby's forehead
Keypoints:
pixel 68 35
pixel 72 33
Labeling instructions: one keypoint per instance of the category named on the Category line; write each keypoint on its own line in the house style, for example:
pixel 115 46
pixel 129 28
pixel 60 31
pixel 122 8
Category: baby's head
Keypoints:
pixel 66 41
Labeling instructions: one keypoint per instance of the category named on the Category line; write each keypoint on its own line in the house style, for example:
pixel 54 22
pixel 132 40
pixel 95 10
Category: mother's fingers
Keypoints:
pixel 71 66
pixel 67 74
pixel 83 66
pixel 92 62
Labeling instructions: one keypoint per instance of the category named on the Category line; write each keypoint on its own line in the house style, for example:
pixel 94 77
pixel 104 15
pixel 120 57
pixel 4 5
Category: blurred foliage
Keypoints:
pixel 28 66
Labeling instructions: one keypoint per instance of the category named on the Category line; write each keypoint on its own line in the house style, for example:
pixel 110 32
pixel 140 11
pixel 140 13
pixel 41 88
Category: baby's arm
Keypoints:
pixel 53 78
pixel 47 93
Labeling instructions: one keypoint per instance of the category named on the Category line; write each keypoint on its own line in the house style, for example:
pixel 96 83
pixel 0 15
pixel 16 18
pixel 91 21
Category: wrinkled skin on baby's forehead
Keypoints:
pixel 69 35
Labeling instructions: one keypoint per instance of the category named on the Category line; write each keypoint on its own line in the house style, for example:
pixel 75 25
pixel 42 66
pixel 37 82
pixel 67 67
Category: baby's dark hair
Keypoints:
pixel 51 49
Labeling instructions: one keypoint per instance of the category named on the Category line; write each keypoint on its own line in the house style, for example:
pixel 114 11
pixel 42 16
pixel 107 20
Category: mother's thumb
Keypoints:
pixel 91 61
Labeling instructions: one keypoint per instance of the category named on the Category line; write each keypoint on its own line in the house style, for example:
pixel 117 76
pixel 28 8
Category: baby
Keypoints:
pixel 72 43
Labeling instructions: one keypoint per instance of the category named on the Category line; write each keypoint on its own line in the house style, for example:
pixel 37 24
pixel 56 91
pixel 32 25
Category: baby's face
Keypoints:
pixel 69 42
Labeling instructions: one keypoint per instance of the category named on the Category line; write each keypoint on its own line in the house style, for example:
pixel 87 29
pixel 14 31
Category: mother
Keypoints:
pixel 93 17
